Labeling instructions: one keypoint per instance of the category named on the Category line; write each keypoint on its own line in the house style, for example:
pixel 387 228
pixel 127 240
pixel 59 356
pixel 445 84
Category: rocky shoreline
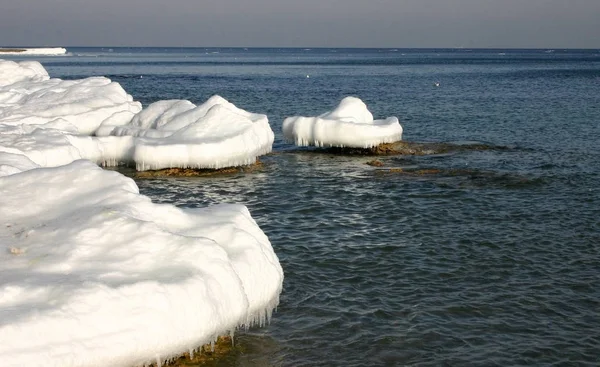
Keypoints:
pixel 194 172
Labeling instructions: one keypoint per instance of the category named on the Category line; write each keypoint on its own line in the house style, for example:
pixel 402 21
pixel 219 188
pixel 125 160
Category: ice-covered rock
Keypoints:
pixel 177 133
pixel 350 124
pixel 94 274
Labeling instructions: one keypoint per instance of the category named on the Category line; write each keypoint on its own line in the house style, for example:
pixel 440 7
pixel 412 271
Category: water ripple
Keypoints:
pixel 458 266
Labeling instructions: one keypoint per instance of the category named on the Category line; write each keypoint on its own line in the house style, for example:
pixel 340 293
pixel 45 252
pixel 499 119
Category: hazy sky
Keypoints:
pixel 302 23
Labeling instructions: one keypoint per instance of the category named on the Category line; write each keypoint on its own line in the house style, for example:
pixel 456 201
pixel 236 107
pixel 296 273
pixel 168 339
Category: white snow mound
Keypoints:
pixel 94 274
pixel 12 72
pixel 350 124
pixel 177 133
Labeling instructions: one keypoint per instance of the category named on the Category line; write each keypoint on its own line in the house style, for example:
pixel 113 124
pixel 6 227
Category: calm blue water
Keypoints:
pixel 490 257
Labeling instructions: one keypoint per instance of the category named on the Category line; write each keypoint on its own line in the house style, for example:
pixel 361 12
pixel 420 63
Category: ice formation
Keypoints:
pixel 12 72
pixel 51 120
pixel 29 97
pixel 177 133
pixel 35 51
pixel 350 124
pixel 91 272
pixel 94 274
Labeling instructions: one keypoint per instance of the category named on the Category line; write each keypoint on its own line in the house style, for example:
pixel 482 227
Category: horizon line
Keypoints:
pixel 316 47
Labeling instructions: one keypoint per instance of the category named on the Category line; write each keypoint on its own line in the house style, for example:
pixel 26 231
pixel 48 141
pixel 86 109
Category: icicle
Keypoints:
pixel 191 353
pixel 231 332
pixel 212 346
pixel 158 363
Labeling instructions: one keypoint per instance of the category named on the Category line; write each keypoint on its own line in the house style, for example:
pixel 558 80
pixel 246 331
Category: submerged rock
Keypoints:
pixel 198 172
pixel 462 178
pixel 414 172
pixel 208 354
pixel 412 148
pixel 375 163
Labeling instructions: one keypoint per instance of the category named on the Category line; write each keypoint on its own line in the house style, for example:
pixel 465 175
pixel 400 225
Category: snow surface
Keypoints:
pixel 29 97
pixel 350 124
pixel 91 272
pixel 36 51
pixel 12 72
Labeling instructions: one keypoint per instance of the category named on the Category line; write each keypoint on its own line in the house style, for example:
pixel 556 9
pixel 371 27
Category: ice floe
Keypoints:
pixel 350 124
pixel 91 272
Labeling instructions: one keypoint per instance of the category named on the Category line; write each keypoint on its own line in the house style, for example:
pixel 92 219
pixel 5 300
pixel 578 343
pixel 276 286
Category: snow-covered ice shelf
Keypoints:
pixel 350 124
pixel 94 274
pixel 28 97
pixel 54 122
pixel 38 51
pixel 91 272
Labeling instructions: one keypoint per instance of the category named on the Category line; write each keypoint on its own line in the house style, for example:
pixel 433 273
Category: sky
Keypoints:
pixel 302 23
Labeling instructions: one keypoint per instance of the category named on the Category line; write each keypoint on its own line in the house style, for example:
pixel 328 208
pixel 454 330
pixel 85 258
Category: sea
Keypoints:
pixel 481 249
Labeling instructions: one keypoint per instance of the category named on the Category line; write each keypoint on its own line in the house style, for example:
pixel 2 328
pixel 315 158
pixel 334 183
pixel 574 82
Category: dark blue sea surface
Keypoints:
pixel 484 251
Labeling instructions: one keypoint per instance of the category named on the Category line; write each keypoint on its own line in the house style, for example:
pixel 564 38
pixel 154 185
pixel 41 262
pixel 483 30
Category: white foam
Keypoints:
pixel 350 124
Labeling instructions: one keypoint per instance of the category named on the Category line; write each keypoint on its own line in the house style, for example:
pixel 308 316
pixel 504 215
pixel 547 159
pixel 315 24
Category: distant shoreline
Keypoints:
pixel 307 48
pixel 33 50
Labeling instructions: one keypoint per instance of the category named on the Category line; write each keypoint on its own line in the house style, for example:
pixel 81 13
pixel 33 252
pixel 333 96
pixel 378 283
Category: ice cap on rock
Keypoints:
pixel 350 124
